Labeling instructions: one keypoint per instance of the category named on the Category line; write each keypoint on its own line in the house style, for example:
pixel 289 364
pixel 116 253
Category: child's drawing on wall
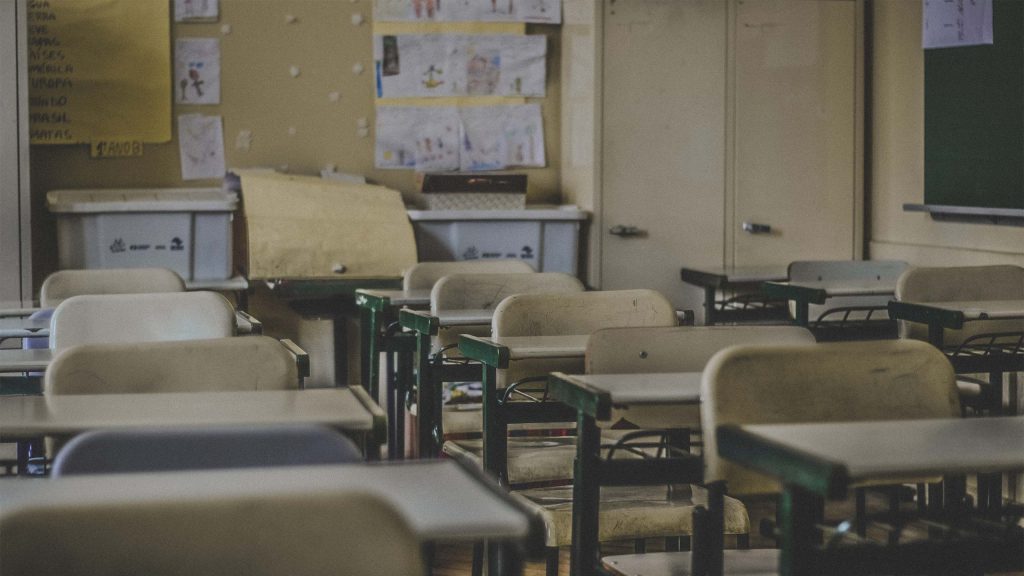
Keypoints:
pixel 483 71
pixel 197 71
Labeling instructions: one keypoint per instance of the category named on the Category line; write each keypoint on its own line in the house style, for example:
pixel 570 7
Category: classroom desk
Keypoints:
pixel 995 360
pixel 18 307
pixel 332 298
pixel 16 360
pixel 817 461
pixel 378 310
pixel 592 396
pixel 498 353
pixel 25 418
pixel 23 327
pixel 805 293
pixel 742 278
pixel 432 372
pixel 443 501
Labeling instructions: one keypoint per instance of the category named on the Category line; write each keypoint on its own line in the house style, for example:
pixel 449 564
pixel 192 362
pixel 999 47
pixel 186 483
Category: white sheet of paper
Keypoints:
pixel 196 10
pixel 201 144
pixel 543 11
pixel 499 137
pixel 436 138
pixel 197 71
pixel 949 23
pixel 460 65
pixel 423 138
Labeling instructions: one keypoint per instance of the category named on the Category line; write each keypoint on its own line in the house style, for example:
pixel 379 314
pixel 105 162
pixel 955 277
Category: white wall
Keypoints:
pixel 898 159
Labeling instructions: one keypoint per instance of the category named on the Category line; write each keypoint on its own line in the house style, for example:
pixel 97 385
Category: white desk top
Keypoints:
pixel 640 389
pixel 983 309
pixel 472 317
pixel 23 327
pixel 18 307
pixel 229 284
pixel 849 287
pixel 529 347
pixel 908 448
pixel 745 274
pixel 68 414
pixel 441 501
pixel 419 297
pixel 14 360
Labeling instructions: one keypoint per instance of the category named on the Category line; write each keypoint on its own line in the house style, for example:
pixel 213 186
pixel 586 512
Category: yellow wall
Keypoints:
pixel 898 159
pixel 259 94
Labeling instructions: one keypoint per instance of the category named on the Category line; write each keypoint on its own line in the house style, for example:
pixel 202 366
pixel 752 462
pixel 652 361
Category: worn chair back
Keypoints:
pixel 127 318
pixel 205 448
pixel 829 382
pixel 317 533
pixel 424 275
pixel 574 313
pixel 64 284
pixel 486 291
pixel 960 283
pixel 222 364
pixel 674 349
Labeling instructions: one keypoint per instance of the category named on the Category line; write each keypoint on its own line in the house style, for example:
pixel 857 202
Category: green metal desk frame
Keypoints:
pixel 591 471
pixel 807 481
pixel 430 375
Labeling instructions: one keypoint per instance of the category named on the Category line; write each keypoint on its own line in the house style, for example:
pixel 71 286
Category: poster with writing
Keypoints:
pixel 196 10
pixel 949 23
pixel 539 11
pixel 197 71
pixel 460 65
pixel 201 144
pixel 99 70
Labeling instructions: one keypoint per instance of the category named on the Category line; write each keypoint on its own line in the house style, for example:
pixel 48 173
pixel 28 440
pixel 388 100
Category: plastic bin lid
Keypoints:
pixel 142 200
pixel 531 212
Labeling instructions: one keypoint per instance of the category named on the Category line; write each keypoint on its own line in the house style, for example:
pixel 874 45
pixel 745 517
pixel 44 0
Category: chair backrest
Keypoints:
pixel 64 284
pixel 424 275
pixel 486 291
pixel 320 533
pixel 959 283
pixel 223 364
pixel 141 318
pixel 573 313
pixel 677 348
pixel 833 382
pixel 882 272
pixel 169 449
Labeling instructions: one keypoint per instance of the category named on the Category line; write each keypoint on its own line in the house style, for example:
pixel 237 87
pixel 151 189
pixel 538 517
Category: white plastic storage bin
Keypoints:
pixel 187 229
pixel 546 237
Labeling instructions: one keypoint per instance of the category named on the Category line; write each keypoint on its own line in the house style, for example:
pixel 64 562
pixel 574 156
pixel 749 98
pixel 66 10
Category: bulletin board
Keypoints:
pixel 974 119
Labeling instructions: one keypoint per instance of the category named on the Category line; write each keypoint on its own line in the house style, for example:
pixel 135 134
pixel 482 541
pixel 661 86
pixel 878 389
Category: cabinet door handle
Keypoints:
pixel 755 228
pixel 626 231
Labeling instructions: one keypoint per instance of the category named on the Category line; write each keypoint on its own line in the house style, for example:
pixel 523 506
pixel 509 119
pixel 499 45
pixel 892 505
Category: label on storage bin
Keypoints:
pixel 115 148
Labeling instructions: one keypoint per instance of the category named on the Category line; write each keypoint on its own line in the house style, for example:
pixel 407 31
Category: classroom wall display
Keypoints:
pixel 196 10
pixel 539 11
pixel 947 24
pixel 460 65
pixel 443 138
pixel 99 70
pixel 197 71
pixel 201 144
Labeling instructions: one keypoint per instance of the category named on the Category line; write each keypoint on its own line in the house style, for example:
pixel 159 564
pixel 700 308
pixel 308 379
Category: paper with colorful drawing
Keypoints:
pixel 201 145
pixel 460 65
pixel 197 71
pixel 542 11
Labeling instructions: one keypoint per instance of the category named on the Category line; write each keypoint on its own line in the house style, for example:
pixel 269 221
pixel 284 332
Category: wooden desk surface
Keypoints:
pixel 441 500
pixel 827 458
pixel 14 360
pixel 344 408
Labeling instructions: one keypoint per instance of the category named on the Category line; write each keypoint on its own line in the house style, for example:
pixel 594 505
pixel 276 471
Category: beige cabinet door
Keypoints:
pixel 663 162
pixel 796 152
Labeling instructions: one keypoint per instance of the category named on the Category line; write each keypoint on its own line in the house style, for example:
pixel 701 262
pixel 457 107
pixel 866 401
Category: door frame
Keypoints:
pixel 15 194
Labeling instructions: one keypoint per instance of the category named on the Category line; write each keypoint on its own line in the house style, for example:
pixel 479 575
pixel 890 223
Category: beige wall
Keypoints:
pixel 898 159
pixel 259 94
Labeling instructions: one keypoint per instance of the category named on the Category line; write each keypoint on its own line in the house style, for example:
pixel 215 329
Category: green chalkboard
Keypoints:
pixel 974 118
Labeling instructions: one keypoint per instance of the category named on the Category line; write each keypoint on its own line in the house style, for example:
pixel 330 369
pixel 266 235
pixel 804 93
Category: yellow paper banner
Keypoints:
pixel 99 70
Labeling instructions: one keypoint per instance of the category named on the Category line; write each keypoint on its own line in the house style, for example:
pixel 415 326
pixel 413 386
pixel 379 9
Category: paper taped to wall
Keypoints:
pixel 541 11
pixel 201 145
